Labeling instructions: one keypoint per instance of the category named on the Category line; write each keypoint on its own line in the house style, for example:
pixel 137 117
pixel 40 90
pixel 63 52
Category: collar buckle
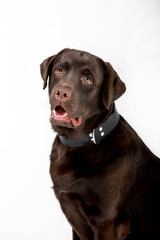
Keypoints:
pixel 93 137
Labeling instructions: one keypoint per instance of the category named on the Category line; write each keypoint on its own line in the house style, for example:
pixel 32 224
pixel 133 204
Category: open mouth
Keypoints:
pixel 59 114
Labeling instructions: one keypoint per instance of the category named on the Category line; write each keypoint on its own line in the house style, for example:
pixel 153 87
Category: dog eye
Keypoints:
pixel 60 71
pixel 87 79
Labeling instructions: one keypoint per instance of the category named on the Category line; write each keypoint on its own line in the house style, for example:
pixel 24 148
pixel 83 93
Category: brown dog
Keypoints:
pixel 106 179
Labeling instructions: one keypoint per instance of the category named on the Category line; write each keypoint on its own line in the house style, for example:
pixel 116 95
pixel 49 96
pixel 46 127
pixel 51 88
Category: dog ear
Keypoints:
pixel 114 87
pixel 45 69
pixel 46 66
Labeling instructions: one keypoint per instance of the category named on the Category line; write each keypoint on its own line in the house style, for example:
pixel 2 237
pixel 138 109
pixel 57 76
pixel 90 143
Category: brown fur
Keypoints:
pixel 109 191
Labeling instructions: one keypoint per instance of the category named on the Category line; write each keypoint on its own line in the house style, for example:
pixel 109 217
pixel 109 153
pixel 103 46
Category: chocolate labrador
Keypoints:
pixel 106 179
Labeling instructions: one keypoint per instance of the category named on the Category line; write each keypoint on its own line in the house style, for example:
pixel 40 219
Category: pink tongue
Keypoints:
pixel 60 111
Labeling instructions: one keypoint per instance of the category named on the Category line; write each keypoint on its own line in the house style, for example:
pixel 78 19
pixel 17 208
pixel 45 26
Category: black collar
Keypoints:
pixel 97 135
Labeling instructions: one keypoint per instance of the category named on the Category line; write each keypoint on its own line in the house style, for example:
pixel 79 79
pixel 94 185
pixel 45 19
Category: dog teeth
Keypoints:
pixel 54 112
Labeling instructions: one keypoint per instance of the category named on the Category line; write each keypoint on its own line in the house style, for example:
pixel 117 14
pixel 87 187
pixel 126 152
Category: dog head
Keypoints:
pixel 82 88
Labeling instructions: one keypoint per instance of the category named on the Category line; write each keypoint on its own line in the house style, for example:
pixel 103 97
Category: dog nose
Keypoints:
pixel 62 94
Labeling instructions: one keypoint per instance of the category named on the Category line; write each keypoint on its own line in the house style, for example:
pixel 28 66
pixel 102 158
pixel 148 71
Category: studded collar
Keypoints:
pixel 97 135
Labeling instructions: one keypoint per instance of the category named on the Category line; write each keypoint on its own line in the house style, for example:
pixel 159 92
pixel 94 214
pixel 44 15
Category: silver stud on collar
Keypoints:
pixel 100 129
pixel 102 134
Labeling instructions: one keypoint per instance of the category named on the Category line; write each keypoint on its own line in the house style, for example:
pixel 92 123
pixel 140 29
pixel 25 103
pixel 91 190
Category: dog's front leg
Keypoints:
pixel 112 231
pixel 71 208
pixel 75 236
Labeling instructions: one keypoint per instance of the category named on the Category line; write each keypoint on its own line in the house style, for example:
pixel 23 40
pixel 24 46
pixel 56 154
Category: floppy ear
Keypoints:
pixel 46 66
pixel 45 69
pixel 113 86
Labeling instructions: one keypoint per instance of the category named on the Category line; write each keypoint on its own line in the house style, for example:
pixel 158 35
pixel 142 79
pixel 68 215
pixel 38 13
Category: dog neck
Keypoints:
pixel 96 135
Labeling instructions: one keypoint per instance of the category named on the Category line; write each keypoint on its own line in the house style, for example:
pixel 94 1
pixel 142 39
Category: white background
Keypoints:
pixel 123 32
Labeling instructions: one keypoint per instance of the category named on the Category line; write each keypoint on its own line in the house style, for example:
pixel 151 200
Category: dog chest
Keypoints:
pixel 79 184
